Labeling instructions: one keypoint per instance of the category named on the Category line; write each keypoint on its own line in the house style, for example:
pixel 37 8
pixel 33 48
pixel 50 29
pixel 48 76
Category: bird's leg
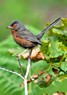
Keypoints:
pixel 27 72
pixel 20 65
pixel 21 54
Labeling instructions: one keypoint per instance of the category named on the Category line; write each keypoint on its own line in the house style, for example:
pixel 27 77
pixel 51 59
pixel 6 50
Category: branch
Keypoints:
pixel 20 65
pixel 7 70
pixel 27 72
pixel 28 68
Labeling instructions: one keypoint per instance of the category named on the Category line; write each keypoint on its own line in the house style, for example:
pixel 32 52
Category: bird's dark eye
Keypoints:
pixel 14 25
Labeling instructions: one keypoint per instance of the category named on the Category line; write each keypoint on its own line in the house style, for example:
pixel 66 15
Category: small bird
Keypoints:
pixel 27 39
pixel 24 37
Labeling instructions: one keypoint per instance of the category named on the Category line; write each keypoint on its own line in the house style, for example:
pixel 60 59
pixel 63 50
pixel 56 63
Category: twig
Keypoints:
pixel 20 65
pixel 27 72
pixel 7 70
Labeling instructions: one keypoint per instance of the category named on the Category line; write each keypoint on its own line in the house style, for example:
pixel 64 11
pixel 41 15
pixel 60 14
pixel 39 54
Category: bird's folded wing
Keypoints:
pixel 29 36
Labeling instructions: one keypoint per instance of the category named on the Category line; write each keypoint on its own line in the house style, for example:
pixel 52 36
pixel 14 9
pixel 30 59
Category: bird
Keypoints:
pixel 26 39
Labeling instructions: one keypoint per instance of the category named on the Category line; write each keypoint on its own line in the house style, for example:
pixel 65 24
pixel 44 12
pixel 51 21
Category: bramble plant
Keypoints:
pixel 46 76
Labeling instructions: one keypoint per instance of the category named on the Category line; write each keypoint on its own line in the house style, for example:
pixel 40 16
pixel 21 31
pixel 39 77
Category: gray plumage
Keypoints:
pixel 24 33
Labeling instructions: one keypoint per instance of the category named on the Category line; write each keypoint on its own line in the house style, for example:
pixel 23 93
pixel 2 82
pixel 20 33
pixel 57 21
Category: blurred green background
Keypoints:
pixel 31 12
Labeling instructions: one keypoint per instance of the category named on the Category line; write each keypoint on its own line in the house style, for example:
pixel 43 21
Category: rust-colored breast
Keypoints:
pixel 21 41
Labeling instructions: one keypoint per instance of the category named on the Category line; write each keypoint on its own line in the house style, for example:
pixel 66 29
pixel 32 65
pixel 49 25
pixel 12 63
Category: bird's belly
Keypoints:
pixel 24 43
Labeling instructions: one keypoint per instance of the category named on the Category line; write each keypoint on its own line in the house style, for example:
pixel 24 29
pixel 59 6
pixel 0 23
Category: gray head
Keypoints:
pixel 16 25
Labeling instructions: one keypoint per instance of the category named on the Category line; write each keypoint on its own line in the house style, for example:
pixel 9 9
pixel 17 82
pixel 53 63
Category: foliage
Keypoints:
pixel 54 48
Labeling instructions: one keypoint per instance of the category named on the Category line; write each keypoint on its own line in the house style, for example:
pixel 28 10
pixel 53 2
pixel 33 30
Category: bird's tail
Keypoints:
pixel 39 36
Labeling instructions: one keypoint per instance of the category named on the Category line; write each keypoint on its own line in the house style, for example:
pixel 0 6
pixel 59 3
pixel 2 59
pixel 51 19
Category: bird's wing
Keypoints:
pixel 26 34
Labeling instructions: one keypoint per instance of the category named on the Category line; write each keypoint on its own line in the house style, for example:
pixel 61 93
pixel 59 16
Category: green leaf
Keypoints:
pixel 52 49
pixel 43 83
pixel 62 77
pixel 55 49
pixel 64 21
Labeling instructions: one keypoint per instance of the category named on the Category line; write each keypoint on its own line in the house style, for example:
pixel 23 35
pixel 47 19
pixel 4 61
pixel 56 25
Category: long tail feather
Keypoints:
pixel 39 36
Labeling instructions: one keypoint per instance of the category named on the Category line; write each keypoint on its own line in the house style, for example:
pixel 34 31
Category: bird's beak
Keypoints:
pixel 9 27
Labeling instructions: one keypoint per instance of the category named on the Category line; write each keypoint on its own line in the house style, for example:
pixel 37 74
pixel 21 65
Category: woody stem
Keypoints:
pixel 27 72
